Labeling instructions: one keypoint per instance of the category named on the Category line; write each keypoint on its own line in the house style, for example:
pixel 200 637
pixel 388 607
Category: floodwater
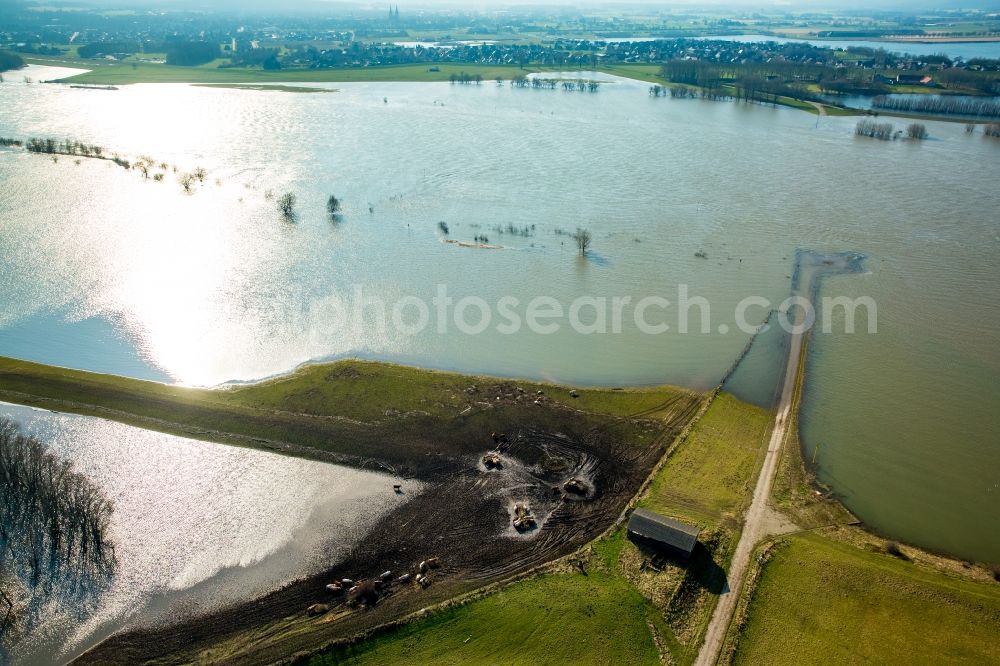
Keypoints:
pixel 196 526
pixel 964 50
pixel 105 271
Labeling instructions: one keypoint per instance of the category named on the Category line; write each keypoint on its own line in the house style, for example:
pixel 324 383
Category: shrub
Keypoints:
pixel 186 180
pixel 892 547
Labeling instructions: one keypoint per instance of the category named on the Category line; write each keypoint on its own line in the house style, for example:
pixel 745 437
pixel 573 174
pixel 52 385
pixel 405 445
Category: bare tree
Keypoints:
pixel 53 520
pixel 5 598
pixel 873 129
pixel 582 238
pixel 286 204
pixel 333 205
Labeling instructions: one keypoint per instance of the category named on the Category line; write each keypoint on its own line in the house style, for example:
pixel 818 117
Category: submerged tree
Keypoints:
pixel 582 238
pixel 916 131
pixel 873 129
pixel 332 205
pixel 54 524
pixel 286 204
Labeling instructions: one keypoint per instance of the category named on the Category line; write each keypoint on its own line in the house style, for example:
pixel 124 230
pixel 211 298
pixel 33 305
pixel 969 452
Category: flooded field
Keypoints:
pixel 196 526
pixel 106 271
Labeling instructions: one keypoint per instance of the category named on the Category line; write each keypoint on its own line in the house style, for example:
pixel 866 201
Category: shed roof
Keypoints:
pixel 650 525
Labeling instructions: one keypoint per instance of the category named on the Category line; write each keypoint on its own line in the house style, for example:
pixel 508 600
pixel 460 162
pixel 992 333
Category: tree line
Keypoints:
pixel 95 49
pixel 54 521
pixel 65 147
pixel 49 146
pixel 10 60
pixel 465 78
pixel 539 83
pixel 944 105
pixel 191 53
pixel 750 82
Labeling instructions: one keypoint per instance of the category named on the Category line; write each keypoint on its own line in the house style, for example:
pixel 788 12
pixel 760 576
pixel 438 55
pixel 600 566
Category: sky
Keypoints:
pixel 480 5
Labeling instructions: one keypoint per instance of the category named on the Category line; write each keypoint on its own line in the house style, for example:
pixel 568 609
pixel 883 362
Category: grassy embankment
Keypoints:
pixel 265 87
pixel 833 593
pixel 612 602
pixel 823 598
pixel 345 411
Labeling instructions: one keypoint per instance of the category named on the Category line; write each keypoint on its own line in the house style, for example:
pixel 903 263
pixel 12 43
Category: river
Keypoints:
pixel 106 271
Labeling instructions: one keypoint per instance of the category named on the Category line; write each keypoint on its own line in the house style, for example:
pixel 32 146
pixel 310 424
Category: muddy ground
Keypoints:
pixel 463 517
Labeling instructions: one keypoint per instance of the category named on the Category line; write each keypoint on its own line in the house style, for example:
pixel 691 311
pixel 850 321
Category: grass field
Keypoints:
pixel 272 87
pixel 156 73
pixel 712 474
pixel 820 600
pixel 560 618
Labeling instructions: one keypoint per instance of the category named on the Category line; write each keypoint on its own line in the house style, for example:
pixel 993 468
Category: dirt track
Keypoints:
pixel 757 517
pixel 462 517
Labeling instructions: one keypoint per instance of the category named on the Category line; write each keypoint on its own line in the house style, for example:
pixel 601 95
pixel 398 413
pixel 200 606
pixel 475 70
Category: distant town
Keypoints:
pixel 681 48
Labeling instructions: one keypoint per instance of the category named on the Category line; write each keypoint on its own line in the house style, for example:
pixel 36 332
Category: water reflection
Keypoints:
pixel 197 526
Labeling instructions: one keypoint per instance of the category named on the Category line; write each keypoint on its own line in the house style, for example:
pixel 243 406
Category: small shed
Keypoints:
pixel 665 534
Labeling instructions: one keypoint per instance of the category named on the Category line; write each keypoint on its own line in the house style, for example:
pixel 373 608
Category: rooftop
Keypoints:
pixel 650 525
